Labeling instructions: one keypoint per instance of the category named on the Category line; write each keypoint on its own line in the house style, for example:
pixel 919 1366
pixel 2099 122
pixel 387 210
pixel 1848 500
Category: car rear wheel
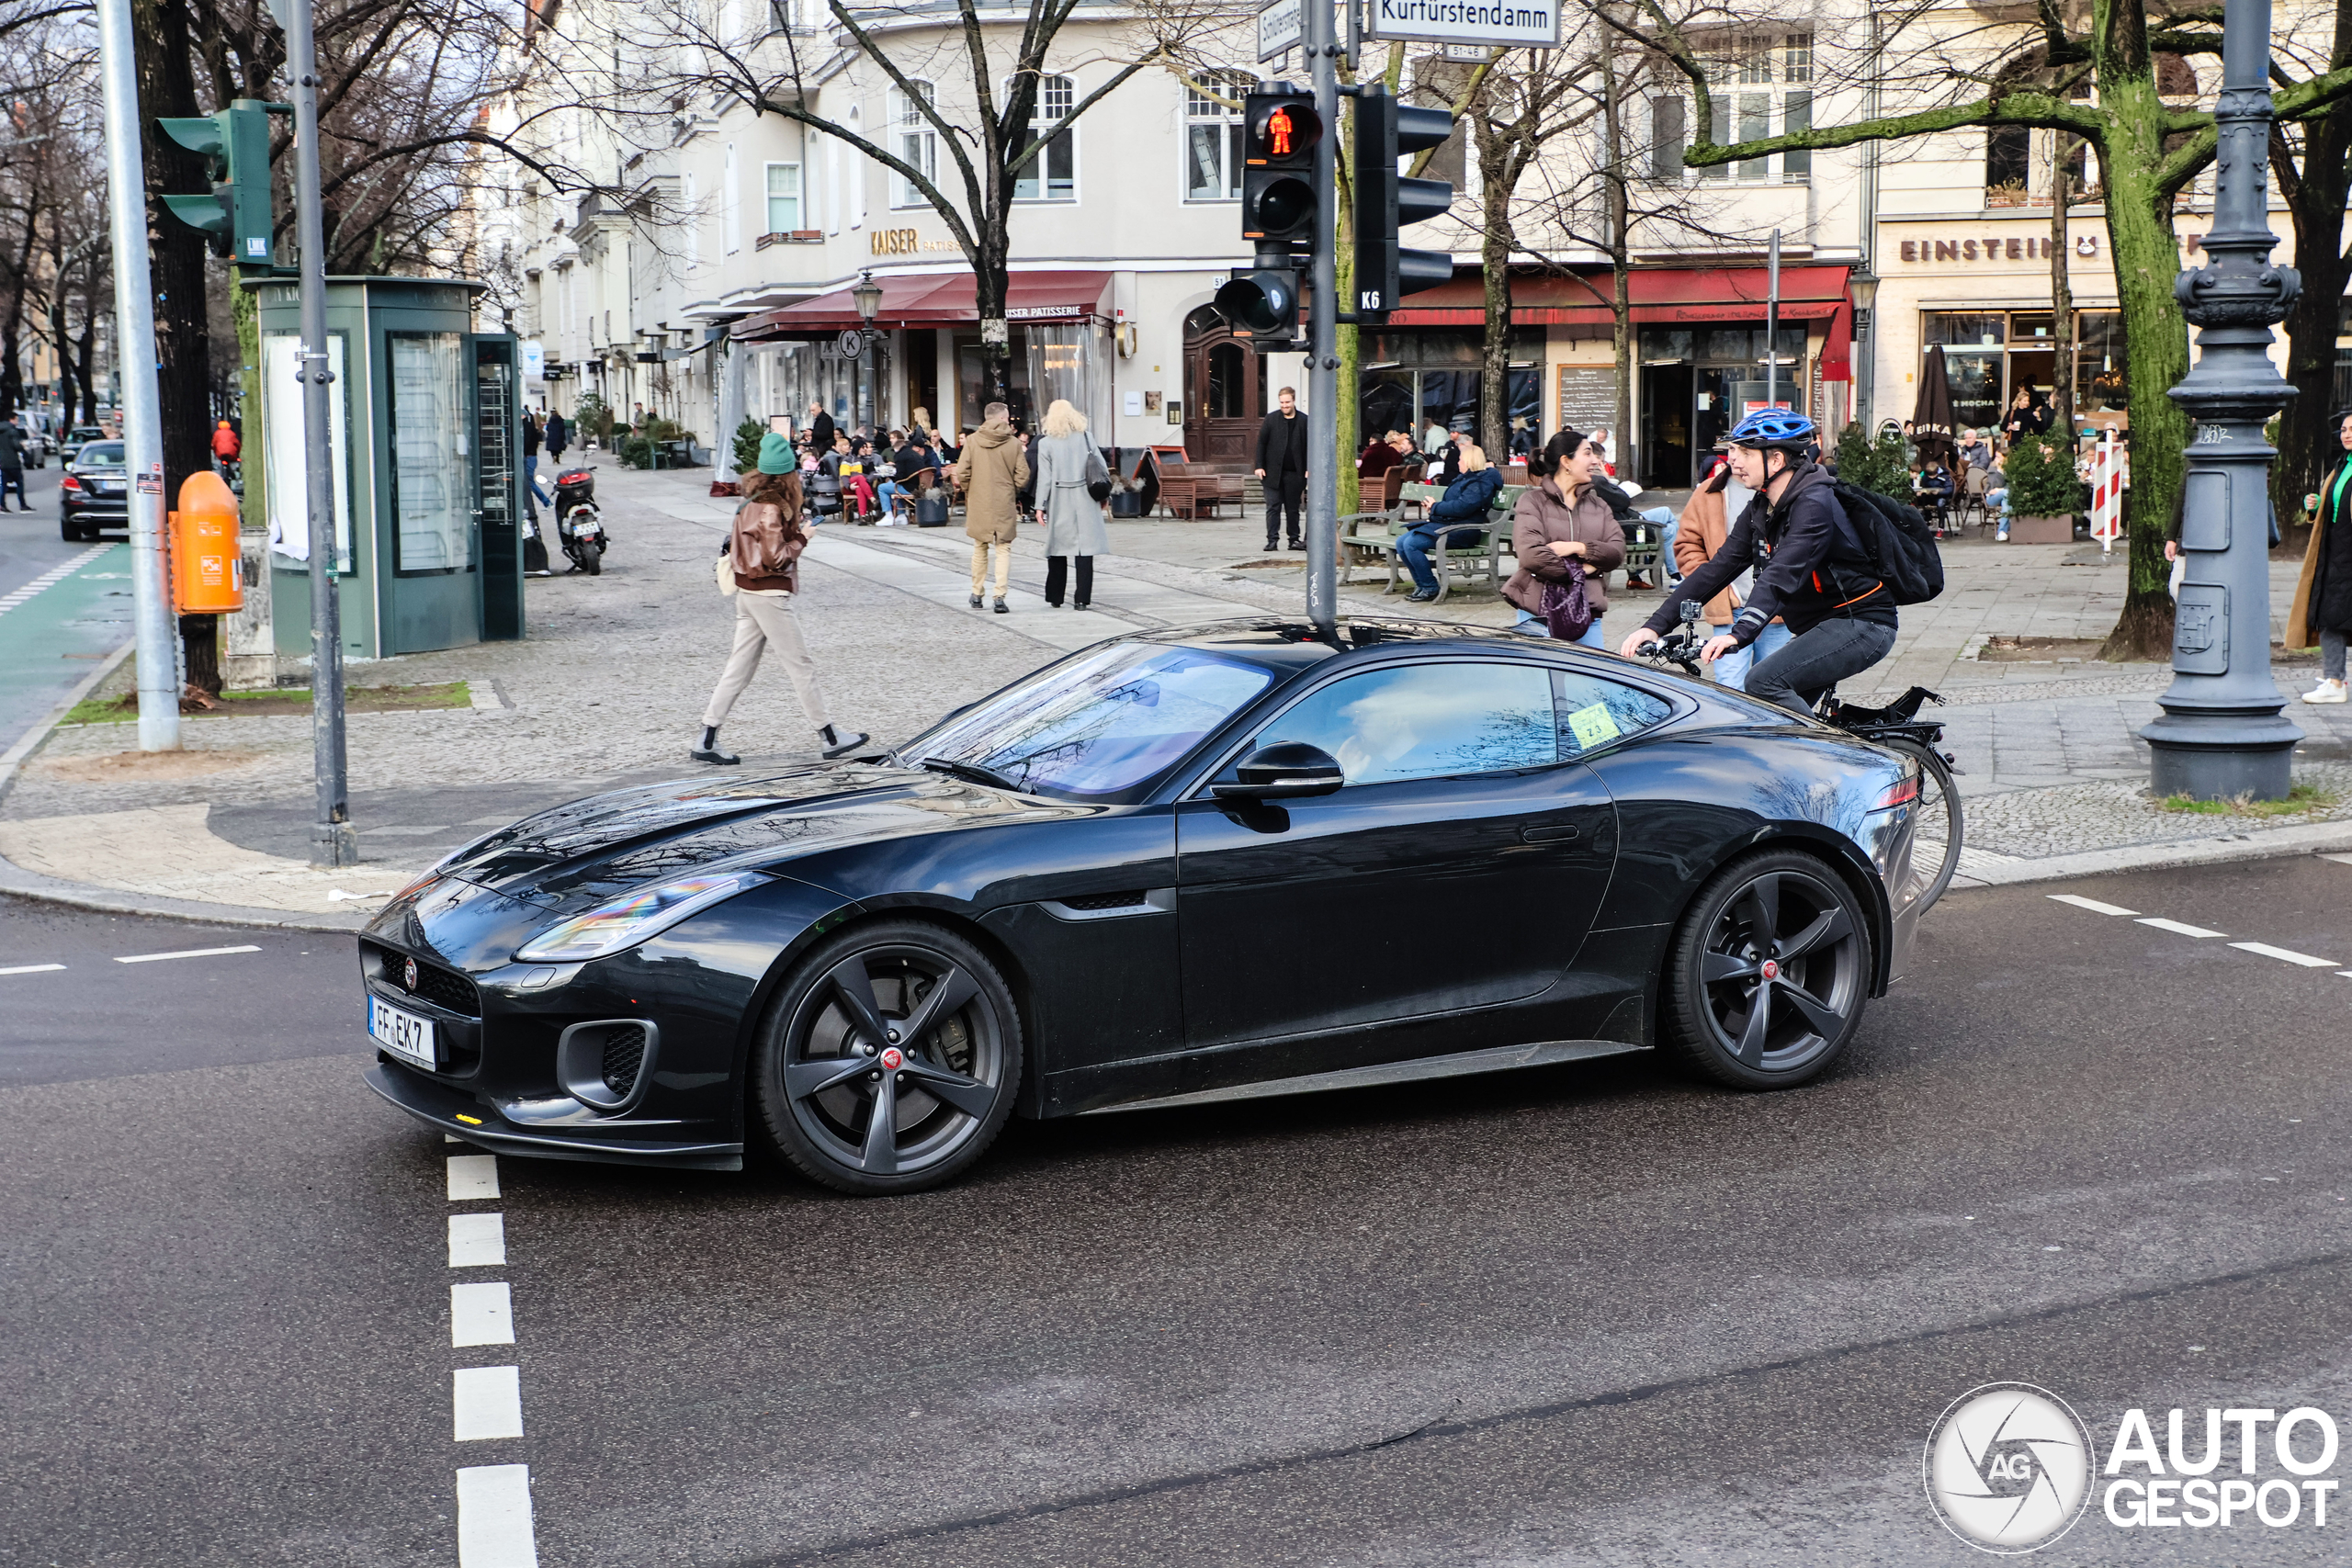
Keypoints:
pixel 889 1059
pixel 1769 973
pixel 67 531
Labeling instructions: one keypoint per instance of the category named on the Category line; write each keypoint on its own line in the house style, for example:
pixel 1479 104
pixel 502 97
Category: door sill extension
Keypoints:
pixel 1495 1059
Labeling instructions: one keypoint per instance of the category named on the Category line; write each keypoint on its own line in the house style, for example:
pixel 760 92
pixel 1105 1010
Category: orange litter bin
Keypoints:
pixel 207 567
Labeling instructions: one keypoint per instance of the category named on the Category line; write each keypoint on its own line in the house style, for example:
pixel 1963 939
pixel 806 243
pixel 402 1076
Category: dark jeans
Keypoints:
pixel 1285 493
pixel 1416 545
pixel 1813 663
pixel 1056 569
pixel 13 478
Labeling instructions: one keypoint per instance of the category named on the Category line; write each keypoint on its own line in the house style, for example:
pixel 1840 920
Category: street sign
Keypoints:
pixel 1516 24
pixel 1281 25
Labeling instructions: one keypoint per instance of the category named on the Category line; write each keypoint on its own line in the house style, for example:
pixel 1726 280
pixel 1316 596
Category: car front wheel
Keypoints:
pixel 1769 973
pixel 889 1059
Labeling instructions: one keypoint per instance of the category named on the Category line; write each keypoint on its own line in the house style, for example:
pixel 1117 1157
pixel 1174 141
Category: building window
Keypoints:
pixel 1052 175
pixel 2008 162
pixel 692 218
pixel 1796 57
pixel 1796 114
pixel 783 199
pixel 918 143
pixel 730 206
pixel 1213 137
pixel 1669 121
pixel 1755 65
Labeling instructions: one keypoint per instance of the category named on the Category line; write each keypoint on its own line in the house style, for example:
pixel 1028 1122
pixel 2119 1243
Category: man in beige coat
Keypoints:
pixel 990 474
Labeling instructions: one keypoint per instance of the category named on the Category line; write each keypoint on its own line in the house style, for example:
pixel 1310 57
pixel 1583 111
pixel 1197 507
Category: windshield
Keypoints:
pixel 99 453
pixel 1100 725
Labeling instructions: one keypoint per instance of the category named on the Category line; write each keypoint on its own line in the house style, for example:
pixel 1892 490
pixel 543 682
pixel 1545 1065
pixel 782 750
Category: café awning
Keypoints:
pixel 1664 296
pixel 934 300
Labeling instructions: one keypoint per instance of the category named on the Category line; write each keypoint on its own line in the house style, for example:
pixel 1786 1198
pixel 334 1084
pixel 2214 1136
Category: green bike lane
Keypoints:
pixel 57 627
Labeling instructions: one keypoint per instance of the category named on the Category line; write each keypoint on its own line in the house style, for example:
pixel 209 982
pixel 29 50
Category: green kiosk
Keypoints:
pixel 425 419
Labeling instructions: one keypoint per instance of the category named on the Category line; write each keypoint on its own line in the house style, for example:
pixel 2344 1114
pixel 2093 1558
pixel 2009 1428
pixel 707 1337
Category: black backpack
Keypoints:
pixel 1896 538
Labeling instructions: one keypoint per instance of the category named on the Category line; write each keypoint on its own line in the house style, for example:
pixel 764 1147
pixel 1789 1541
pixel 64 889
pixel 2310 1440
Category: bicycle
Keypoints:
pixel 1935 851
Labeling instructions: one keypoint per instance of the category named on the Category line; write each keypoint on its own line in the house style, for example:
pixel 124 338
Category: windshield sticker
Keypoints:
pixel 1593 726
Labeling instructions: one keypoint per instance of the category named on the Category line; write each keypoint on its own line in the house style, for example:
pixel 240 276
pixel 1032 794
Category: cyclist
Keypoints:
pixel 1811 572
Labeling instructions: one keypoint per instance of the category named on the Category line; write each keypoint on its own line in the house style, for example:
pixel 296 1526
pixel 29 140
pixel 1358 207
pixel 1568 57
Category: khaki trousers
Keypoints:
pixel 980 567
pixel 765 621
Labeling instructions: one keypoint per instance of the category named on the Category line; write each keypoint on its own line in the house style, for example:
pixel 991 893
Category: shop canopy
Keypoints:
pixel 1667 296
pixel 934 300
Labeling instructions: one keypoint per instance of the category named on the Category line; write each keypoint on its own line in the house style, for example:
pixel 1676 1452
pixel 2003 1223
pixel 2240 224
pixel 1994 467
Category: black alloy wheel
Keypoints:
pixel 889 1060
pixel 1769 973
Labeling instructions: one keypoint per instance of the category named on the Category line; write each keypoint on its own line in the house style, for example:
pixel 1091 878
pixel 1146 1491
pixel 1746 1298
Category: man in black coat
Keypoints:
pixel 558 435
pixel 1282 467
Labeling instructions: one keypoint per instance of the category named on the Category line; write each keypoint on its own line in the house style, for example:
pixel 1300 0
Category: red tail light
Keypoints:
pixel 1901 794
pixel 67 482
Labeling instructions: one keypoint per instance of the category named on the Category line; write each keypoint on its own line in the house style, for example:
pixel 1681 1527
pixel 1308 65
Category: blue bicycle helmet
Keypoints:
pixel 1774 427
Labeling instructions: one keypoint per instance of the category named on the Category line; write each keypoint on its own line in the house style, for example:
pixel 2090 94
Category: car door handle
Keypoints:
pixel 1548 835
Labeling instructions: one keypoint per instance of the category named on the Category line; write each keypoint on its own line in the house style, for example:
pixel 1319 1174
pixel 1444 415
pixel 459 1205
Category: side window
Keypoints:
pixel 1428 721
pixel 1593 711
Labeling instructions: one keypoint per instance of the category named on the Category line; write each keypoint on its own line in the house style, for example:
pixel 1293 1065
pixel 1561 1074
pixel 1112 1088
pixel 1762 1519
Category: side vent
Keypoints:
pixel 607 1065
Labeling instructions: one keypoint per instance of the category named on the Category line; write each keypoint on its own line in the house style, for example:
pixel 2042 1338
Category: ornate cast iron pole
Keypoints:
pixel 2222 733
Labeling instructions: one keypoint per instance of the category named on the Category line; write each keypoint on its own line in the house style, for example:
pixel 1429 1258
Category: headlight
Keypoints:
pixel 632 918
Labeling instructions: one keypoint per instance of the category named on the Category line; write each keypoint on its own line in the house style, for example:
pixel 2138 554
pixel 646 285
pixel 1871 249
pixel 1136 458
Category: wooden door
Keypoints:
pixel 1225 392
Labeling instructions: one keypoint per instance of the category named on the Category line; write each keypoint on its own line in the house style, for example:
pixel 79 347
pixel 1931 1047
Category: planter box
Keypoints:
pixel 2042 530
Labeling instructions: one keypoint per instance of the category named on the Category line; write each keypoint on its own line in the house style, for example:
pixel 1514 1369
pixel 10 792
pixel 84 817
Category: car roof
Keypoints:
pixel 1290 643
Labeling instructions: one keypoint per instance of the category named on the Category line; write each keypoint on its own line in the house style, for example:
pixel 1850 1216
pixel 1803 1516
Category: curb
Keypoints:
pixel 2318 838
pixel 22 883
pixel 12 761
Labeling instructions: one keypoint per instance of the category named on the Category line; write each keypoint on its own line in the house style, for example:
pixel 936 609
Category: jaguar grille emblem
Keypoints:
pixel 408 974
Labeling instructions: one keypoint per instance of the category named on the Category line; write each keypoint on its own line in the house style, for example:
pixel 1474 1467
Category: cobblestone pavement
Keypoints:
pixel 609 687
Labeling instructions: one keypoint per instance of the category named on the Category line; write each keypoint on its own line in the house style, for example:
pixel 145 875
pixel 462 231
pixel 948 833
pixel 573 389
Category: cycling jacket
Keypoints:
pixel 1809 565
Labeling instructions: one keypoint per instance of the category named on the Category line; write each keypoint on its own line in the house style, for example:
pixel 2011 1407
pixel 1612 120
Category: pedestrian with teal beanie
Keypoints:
pixel 759 566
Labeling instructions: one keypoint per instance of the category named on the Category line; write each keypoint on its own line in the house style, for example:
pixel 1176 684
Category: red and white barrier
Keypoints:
pixel 2107 490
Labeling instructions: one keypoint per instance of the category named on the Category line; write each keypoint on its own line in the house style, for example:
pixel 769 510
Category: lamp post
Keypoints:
pixel 2222 733
pixel 868 296
pixel 1862 284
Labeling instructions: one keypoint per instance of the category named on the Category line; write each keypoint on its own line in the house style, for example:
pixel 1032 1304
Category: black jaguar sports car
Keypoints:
pixel 1171 868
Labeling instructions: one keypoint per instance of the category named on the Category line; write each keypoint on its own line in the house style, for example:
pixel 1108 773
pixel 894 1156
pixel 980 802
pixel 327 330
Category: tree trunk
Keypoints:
pixel 200 645
pixel 2061 290
pixel 989 292
pixel 1621 305
pixel 2308 446
pixel 1349 349
pixel 2147 259
pixel 1494 384
pixel 254 513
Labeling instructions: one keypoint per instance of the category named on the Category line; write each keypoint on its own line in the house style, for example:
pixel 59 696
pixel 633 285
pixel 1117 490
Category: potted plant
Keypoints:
pixel 2044 492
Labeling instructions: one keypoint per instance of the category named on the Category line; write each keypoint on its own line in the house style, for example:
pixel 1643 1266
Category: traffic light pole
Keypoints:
pixel 333 841
pixel 142 421
pixel 1323 456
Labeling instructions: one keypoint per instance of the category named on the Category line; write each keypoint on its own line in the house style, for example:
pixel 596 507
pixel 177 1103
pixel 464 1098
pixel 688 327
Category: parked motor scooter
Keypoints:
pixel 577 524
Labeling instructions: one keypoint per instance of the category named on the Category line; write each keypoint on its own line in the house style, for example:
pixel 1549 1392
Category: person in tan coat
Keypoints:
pixel 1706 523
pixel 992 473
pixel 1561 526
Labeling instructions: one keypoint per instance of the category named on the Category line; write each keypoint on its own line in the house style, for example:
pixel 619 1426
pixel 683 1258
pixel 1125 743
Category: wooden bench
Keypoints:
pixel 1187 489
pixel 1380 532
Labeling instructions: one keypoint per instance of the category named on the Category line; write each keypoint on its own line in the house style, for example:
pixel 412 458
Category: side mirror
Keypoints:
pixel 1290 770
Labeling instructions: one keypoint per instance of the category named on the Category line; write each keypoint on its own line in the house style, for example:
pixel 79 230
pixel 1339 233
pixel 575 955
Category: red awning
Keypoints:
pixel 1838 353
pixel 936 299
pixel 1667 295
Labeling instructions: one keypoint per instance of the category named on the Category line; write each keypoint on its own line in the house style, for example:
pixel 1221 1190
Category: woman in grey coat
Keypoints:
pixel 1073 519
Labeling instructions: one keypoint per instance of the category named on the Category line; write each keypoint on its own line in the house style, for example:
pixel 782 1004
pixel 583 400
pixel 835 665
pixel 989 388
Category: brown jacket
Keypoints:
pixel 1705 523
pixel 990 474
pixel 1545 516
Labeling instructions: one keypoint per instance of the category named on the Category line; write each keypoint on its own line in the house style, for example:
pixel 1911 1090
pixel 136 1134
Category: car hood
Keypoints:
pixel 575 855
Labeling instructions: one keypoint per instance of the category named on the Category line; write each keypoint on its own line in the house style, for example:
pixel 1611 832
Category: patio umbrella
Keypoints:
pixel 1931 429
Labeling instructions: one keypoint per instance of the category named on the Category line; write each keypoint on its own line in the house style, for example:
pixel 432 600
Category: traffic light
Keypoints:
pixel 1385 201
pixel 236 217
pixel 1279 210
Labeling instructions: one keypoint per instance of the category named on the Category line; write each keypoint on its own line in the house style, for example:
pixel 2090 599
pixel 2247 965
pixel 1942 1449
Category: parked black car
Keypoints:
pixel 90 492
pixel 1171 868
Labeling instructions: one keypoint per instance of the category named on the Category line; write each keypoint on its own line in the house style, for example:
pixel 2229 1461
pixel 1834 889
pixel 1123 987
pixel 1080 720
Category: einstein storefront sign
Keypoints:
pixel 1991 247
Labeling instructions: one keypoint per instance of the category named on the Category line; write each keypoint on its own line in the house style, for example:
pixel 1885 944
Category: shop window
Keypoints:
pixel 1052 175
pixel 783 199
pixel 2098 361
pixel 917 142
pixel 1213 137
pixel 1964 327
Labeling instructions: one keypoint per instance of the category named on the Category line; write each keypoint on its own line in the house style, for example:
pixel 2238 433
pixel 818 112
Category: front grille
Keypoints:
pixel 623 1054
pixel 444 988
pixel 1106 900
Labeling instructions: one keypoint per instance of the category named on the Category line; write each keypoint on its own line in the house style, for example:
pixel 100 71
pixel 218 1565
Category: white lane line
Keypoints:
pixel 472 1176
pixel 494 1517
pixel 2093 905
pixel 2176 928
pixel 51 578
pixel 487 1403
pixel 31 968
pixel 480 1314
pixel 2284 955
pixel 189 953
pixel 477 1241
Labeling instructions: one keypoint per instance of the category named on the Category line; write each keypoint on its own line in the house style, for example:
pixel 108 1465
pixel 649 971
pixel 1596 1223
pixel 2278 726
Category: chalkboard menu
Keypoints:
pixel 1588 399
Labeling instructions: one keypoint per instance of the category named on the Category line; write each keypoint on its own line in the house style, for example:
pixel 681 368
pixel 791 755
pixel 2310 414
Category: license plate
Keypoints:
pixel 404 1034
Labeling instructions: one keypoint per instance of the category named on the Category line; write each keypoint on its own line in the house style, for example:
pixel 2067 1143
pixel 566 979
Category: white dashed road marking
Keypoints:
pixel 494 1517
pixel 51 578
pixel 488 1403
pixel 2283 954
pixel 477 1241
pixel 2177 929
pixel 481 1315
pixel 2093 905
pixel 189 953
pixel 472 1176
pixel 31 968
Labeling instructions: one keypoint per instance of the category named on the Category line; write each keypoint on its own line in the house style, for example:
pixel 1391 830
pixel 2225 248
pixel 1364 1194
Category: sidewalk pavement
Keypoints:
pixel 608 689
